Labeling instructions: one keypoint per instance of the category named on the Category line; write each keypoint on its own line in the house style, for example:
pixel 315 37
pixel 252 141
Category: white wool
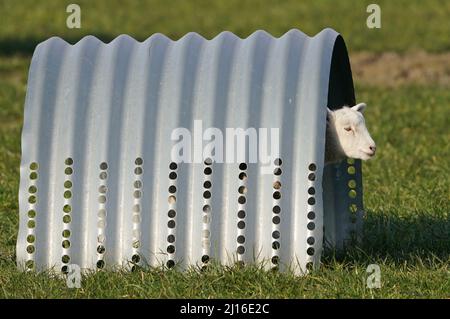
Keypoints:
pixel 347 135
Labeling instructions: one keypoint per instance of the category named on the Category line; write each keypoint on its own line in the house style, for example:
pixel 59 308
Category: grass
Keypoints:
pixel 406 187
pixel 407 228
pixel 406 24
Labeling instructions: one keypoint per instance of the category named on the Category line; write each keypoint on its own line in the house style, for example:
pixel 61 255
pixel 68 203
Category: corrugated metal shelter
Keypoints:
pixel 99 189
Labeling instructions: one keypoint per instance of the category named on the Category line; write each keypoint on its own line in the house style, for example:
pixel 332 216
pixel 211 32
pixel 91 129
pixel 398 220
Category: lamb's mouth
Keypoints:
pixel 367 154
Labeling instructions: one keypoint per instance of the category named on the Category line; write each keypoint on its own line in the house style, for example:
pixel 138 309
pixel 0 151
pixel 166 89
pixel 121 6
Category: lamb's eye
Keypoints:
pixel 348 128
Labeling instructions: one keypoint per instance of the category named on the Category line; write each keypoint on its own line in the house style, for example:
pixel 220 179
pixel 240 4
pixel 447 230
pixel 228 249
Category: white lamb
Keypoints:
pixel 347 135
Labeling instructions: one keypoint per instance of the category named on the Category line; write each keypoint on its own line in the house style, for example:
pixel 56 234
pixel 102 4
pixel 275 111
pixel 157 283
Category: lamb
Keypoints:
pixel 347 135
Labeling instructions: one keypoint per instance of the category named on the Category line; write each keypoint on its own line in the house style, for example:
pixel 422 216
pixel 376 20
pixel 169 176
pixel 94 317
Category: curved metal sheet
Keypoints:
pixel 98 124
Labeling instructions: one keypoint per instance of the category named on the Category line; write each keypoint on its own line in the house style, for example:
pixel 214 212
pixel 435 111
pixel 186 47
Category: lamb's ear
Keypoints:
pixel 359 107
pixel 329 114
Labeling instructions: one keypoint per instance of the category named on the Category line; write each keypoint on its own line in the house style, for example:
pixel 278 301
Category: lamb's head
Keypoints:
pixel 347 134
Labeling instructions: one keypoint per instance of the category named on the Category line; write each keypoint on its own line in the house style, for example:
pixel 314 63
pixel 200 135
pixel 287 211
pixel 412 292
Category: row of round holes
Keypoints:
pixel 101 217
pixel 351 170
pixel 137 194
pixel 311 202
pixel 172 213
pixel 207 184
pixel 67 208
pixel 242 199
pixel 31 222
pixel 276 210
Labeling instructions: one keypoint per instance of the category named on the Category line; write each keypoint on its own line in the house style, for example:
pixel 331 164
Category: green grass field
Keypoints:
pixel 406 186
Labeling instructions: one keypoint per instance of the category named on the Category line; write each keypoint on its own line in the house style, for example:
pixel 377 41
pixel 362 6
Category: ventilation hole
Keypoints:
pixel 65 259
pixel 66 233
pixel 353 208
pixel 67 184
pixel 277 185
pixel 103 175
pixel 206 233
pixel 173 166
pixel 137 184
pixel 135 258
pixel 136 218
pixel 138 170
pixel 241 239
pixel 311 226
pixel 312 176
pixel 276 220
pixel 352 193
pixel 32 189
pixel 101 224
pixel 278 161
pixel 102 189
pixel 136 244
pixel 277 171
pixel 311 201
pixel 66 219
pixel 242 166
pixel 205 258
pixel 32 199
pixel 206 209
pixel 311 215
pixel 171 213
pixel 171 238
pixel 170 264
pixel 67 208
pixel 350 161
pixel 241 200
pixel 68 161
pixel 207 194
pixel 275 260
pixel 310 240
pixel 101 213
pixel 31 213
pixel 276 234
pixel 172 199
pixel 312 167
pixel 100 264
pixel 352 183
pixel 241 214
pixel 34 166
pixel 275 245
pixel 134 268
pixel 65 270
pixel 137 194
pixel 138 161
pixel 173 175
pixel 311 191
pixel 351 170
pixel 172 189
pixel 276 195
pixel 29 264
pixel 136 208
pixel 67 194
pixel 171 224
pixel 207 171
pixel 103 166
pixel 310 251
pixel 309 266
pixel 242 190
pixel 68 171
pixel 101 249
pixel 208 161
pixel 240 250
pixel 242 176
pixel 207 184
pixel 102 199
pixel 276 209
pixel 30 239
pixel 205 219
pixel 241 224
pixel 31 224
pixel 33 175
pixel 66 244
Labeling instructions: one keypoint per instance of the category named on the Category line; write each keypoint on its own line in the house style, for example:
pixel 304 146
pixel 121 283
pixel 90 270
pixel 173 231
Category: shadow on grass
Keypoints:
pixel 414 238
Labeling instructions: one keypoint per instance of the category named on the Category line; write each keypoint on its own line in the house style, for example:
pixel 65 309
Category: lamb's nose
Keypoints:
pixel 373 148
